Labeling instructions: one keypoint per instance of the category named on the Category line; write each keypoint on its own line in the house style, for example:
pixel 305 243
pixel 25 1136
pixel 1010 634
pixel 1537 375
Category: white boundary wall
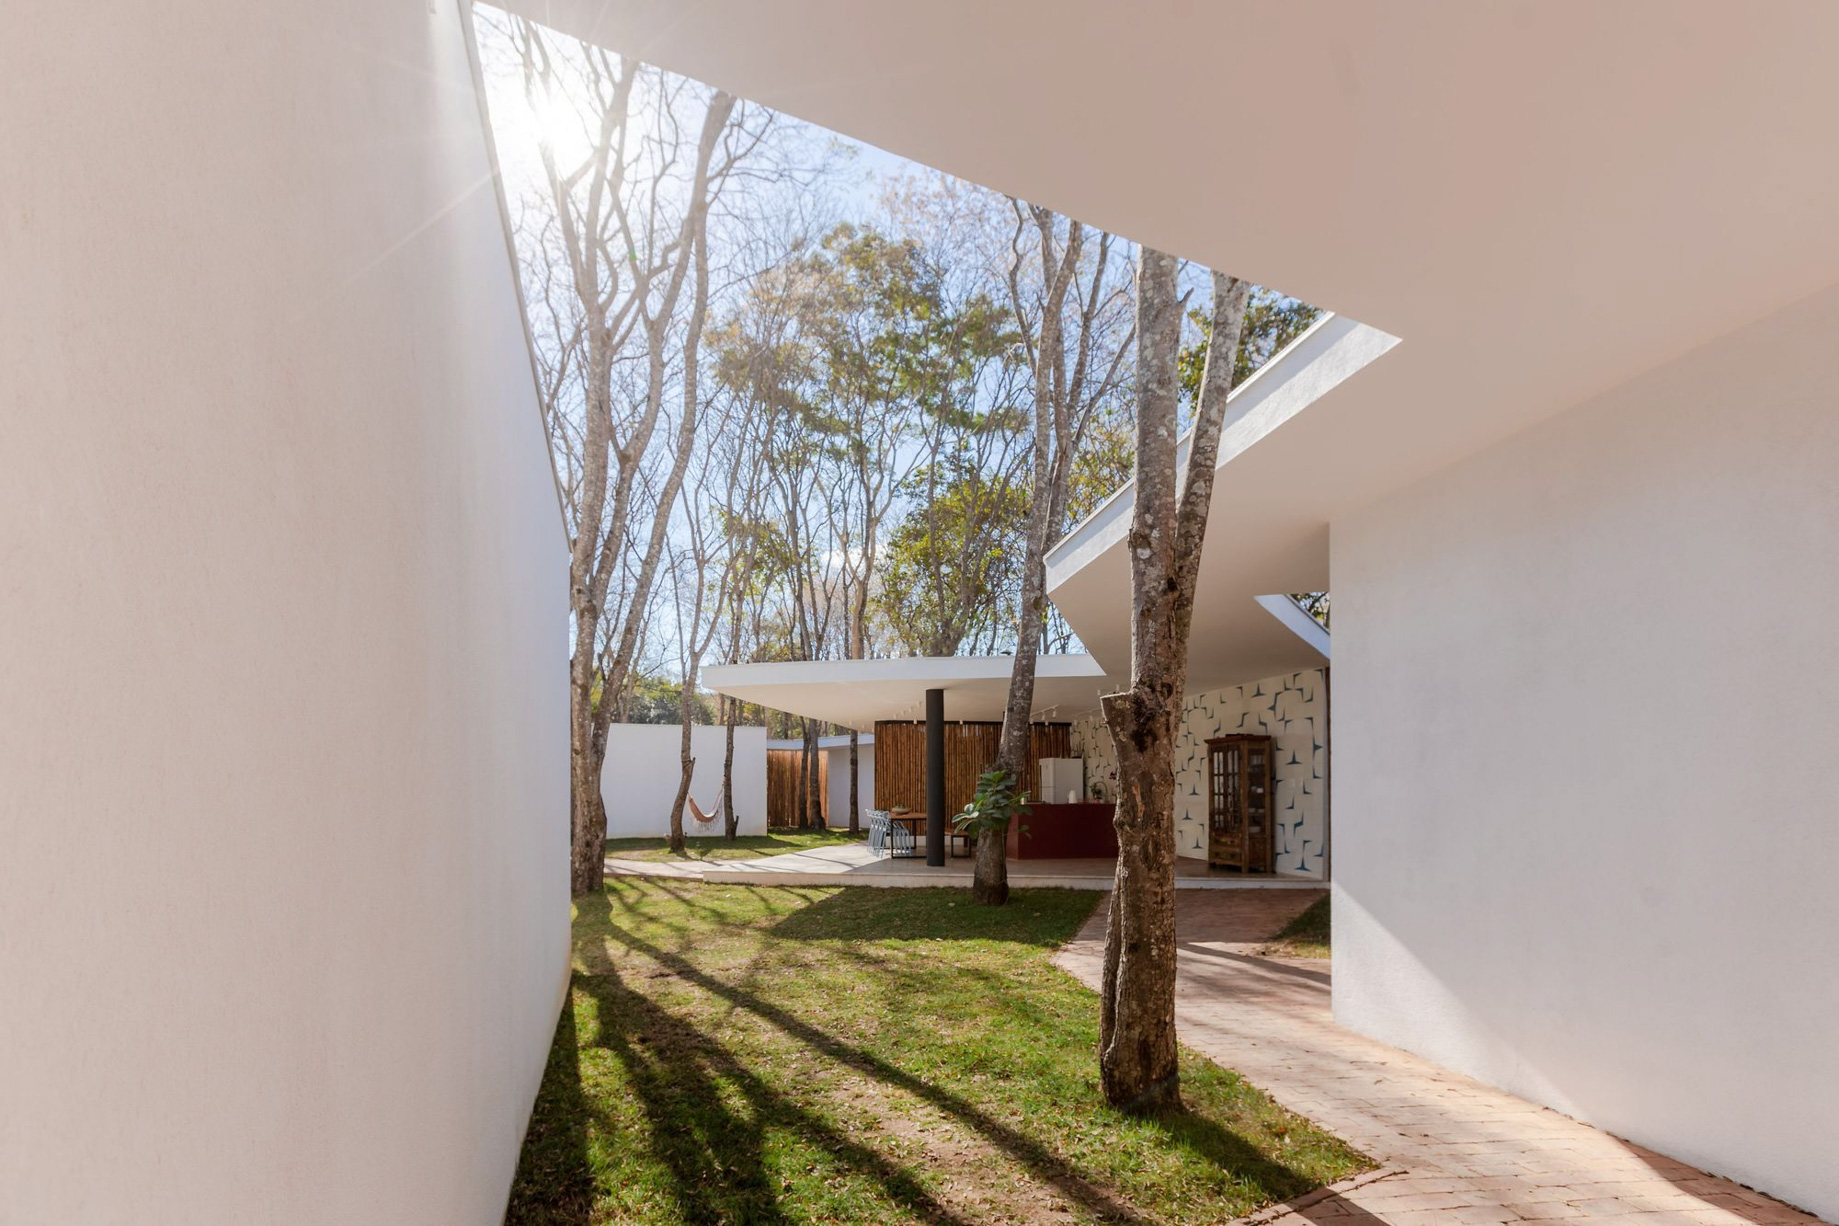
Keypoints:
pixel 644 768
pixel 839 779
pixel 1587 794
pixel 284 916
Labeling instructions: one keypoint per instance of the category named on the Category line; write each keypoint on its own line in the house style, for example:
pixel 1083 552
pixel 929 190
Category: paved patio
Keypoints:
pixel 1452 1150
pixel 855 864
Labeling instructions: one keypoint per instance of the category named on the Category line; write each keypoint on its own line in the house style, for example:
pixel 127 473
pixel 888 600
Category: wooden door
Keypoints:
pixel 1225 812
pixel 1258 841
pixel 1239 794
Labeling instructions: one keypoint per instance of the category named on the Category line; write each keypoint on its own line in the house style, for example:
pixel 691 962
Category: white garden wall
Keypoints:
pixel 284 916
pixel 644 769
pixel 839 778
pixel 1292 709
pixel 1587 799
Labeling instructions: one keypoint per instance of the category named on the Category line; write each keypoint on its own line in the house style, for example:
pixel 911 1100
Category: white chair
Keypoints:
pixel 900 839
pixel 877 829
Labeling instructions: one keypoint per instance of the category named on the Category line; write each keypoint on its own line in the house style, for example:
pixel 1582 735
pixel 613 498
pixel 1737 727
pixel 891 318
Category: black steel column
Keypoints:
pixel 935 778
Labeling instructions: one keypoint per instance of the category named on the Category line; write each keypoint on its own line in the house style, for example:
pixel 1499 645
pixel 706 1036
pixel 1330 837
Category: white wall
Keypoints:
pixel 839 780
pixel 644 768
pixel 1587 799
pixel 283 752
pixel 1291 709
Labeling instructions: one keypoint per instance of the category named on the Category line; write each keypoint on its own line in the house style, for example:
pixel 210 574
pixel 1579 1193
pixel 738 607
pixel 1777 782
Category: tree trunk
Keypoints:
pixel 855 785
pixel 814 792
pixel 730 824
pixel 1052 464
pixel 1137 1053
pixel 800 789
pixel 587 866
pixel 685 704
pixel 990 873
pixel 675 841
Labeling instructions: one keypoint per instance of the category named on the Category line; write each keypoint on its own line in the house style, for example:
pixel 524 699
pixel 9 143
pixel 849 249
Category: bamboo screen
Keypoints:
pixel 970 749
pixel 782 770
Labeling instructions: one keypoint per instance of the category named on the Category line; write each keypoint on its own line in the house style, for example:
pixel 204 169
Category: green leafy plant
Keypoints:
pixel 997 802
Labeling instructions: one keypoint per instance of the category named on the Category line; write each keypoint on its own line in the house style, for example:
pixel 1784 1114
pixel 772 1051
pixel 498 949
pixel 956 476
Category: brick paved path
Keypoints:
pixel 1456 1151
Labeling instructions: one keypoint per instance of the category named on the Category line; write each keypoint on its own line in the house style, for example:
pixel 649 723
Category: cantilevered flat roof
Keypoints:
pixel 1265 539
pixel 864 741
pixel 1540 198
pixel 856 693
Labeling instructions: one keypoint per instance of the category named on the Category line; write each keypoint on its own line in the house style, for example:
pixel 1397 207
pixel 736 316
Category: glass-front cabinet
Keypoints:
pixel 1239 793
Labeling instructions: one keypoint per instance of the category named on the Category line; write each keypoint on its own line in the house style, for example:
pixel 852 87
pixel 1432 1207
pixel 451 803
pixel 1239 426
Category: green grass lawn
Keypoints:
pixel 746 847
pixel 1306 936
pixel 770 1054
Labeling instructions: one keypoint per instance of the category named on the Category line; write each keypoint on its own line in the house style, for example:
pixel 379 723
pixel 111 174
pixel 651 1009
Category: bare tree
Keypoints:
pixel 1137 1052
pixel 742 530
pixel 626 217
pixel 877 343
pixel 1070 381
pixel 772 357
pixel 697 623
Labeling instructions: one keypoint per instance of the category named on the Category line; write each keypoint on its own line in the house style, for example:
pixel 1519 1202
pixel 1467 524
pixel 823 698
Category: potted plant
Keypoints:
pixel 997 802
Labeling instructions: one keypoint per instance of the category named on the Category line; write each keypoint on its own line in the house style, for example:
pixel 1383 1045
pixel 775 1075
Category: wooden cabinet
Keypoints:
pixel 1239 821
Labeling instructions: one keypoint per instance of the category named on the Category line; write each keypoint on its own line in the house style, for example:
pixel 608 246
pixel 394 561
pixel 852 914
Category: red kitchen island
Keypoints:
pixel 1064 832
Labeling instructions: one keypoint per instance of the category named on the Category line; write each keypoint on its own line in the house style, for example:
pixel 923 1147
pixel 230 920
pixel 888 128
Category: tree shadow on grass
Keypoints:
pixel 1041 918
pixel 1207 1138
pixel 1213 1142
pixel 555 1180
pixel 714 1152
pixel 690 897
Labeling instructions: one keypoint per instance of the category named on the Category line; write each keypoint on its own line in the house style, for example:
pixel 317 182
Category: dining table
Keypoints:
pixel 916 824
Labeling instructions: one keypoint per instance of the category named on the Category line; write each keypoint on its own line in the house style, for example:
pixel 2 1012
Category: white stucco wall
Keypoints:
pixel 839 780
pixel 644 768
pixel 1291 709
pixel 284 816
pixel 1587 800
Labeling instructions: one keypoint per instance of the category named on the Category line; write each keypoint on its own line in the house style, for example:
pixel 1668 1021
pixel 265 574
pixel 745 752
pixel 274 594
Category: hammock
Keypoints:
pixel 704 819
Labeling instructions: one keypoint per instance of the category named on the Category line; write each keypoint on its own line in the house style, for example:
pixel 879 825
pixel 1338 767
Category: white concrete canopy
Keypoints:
pixel 1265 536
pixel 1617 182
pixel 1540 199
pixel 856 693
pixel 840 741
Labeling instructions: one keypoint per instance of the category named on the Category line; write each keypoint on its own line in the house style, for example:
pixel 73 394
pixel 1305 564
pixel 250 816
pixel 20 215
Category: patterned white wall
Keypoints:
pixel 1290 709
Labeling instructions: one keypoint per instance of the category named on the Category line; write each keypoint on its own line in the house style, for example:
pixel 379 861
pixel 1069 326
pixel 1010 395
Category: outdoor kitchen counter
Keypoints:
pixel 1064 832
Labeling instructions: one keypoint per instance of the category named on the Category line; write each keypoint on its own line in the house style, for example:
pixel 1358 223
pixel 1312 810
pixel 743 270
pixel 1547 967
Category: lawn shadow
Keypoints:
pixel 1204 1136
pixel 1211 1141
pixel 715 1154
pixel 913 915
pixel 554 1184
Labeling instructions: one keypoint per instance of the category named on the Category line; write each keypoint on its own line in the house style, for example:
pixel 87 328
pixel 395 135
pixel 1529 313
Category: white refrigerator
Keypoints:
pixel 1063 781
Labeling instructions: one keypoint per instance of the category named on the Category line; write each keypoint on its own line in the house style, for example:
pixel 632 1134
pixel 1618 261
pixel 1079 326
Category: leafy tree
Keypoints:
pixel 659 700
pixel 1315 604
pixel 1272 320
pixel 954 563
pixel 1103 463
